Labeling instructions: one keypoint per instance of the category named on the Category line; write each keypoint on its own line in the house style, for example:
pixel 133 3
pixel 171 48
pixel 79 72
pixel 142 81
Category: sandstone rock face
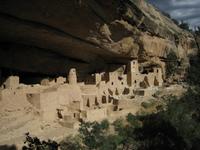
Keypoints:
pixel 50 37
pixel 198 41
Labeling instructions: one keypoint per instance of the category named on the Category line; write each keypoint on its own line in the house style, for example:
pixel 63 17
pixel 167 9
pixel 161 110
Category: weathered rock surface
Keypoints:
pixel 198 41
pixel 51 37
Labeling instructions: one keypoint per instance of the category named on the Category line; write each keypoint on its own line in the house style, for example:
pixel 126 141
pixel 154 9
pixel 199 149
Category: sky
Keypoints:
pixel 186 10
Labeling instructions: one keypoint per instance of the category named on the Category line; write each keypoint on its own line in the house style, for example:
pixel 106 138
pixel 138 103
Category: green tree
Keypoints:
pixel 93 134
pixel 194 71
pixel 34 143
pixel 184 25
pixel 71 143
pixel 184 115
pixel 171 64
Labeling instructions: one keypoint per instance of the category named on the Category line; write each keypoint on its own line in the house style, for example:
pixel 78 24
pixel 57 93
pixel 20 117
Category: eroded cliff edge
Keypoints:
pixel 50 37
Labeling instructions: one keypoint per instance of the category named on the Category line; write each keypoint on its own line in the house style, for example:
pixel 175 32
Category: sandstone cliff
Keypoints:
pixel 48 36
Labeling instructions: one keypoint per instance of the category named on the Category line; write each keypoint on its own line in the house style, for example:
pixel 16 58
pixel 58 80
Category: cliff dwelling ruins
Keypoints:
pixel 102 95
pixel 70 62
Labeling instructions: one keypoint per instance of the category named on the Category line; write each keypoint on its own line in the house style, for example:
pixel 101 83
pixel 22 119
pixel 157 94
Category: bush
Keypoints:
pixel 184 26
pixel 172 64
pixel 34 143
pixel 93 134
pixel 147 105
pixel 194 71
pixel 118 124
pixel 160 108
pixel 158 134
pixel 133 120
pixel 105 124
pixel 71 143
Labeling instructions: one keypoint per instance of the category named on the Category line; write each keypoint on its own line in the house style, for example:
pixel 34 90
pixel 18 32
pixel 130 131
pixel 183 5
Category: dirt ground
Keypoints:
pixel 18 118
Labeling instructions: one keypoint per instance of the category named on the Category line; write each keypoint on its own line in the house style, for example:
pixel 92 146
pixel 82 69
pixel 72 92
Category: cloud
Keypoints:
pixel 186 10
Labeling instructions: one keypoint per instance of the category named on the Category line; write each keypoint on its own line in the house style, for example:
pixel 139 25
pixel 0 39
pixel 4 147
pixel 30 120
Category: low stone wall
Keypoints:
pixel 96 114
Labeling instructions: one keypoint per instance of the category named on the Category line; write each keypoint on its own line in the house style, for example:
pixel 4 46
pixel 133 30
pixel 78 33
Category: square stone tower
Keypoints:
pixel 133 73
pixel 134 67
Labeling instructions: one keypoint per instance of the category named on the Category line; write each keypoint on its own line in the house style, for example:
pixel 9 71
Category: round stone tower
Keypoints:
pixel 72 77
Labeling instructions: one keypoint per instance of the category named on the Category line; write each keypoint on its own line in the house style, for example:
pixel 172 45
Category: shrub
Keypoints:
pixel 93 133
pixel 147 105
pixel 194 71
pixel 160 108
pixel 184 25
pixel 34 143
pixel 71 143
pixel 133 120
pixel 172 64
pixel 118 124
pixel 105 124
